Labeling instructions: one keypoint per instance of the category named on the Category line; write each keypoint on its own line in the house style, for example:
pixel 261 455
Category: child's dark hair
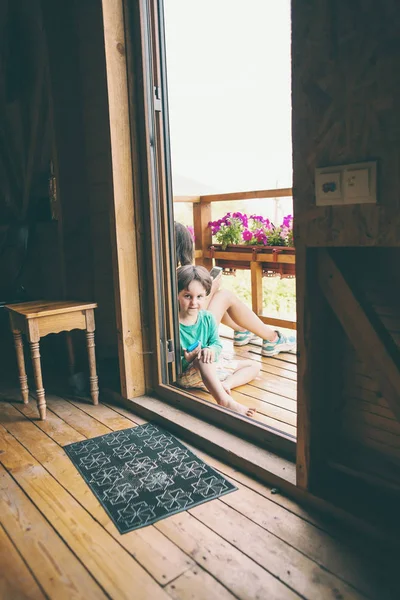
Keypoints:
pixel 190 273
pixel 184 245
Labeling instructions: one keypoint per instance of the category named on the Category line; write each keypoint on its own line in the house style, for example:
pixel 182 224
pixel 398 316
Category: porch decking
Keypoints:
pixel 273 393
pixel 57 542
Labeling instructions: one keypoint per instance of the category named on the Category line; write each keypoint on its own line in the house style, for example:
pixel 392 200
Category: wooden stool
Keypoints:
pixel 37 319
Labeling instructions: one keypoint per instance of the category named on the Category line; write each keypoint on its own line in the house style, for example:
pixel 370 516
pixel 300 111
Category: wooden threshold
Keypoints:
pixel 211 438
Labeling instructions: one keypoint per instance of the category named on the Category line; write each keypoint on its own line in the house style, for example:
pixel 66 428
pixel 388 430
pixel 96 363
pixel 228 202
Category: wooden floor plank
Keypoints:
pixel 258 392
pixel 58 571
pixel 16 581
pixel 282 359
pixel 197 583
pixel 53 426
pixel 286 563
pixel 290 374
pixel 110 565
pixel 274 360
pixel 288 386
pixel 320 547
pixel 254 348
pixel 76 418
pixel 276 385
pixel 161 558
pixel 102 413
pixel 268 365
pixel 265 408
pixel 241 575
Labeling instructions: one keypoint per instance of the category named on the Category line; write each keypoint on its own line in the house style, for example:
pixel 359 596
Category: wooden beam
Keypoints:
pixel 315 369
pixel 276 193
pixel 256 287
pixel 126 276
pixel 191 199
pixel 365 334
pixel 273 322
pixel 247 257
pixel 202 233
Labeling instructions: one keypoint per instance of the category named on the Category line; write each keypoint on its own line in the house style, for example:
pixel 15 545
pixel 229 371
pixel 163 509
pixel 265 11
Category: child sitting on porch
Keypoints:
pixel 201 366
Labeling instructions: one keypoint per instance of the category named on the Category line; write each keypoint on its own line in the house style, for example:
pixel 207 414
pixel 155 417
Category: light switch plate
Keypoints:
pixel 359 183
pixel 346 184
pixel 328 187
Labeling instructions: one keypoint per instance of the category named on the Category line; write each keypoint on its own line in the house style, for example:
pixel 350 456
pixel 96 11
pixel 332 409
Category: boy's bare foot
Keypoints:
pixel 239 408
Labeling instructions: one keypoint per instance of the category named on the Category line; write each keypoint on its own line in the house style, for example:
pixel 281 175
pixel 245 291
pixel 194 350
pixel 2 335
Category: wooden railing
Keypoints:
pixel 257 260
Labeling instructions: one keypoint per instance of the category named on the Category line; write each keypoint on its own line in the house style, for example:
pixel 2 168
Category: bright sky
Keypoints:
pixel 228 66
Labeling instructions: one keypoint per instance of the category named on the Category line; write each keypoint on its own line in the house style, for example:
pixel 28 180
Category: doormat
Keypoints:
pixel 143 474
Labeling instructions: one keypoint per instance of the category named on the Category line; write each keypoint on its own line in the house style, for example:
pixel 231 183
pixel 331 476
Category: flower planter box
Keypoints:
pixel 279 260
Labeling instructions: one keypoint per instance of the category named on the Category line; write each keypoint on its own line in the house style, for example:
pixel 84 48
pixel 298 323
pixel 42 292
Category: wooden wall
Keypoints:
pixel 346 93
pixel 25 155
pixel 82 147
pixel 53 101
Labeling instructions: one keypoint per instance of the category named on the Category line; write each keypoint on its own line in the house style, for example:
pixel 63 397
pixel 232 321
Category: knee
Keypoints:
pixel 228 296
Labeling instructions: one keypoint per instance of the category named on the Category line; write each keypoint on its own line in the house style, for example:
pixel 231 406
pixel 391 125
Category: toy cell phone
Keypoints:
pixel 215 271
pixel 192 346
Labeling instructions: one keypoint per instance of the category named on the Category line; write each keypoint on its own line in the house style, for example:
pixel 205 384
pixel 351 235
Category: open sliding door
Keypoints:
pixel 149 99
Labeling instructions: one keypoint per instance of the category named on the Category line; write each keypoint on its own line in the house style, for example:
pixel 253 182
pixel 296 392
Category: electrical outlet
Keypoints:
pixel 328 187
pixel 346 184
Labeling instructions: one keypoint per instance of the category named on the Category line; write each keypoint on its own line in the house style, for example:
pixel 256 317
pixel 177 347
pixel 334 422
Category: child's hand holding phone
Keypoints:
pixel 192 351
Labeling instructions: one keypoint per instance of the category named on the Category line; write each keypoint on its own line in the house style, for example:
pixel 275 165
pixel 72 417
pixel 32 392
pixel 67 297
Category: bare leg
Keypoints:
pixel 225 301
pixel 37 372
pixel 216 389
pixel 247 371
pixel 23 380
pixel 226 320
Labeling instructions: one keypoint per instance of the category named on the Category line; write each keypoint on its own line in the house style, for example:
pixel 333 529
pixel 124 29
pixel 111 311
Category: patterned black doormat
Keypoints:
pixel 143 474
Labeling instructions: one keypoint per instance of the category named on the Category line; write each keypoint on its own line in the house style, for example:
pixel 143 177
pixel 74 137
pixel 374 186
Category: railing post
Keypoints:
pixel 201 218
pixel 256 287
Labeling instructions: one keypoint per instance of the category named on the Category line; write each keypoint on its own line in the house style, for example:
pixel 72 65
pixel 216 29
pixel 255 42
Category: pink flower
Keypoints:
pixel 267 224
pixel 191 231
pixel 287 221
pixel 247 235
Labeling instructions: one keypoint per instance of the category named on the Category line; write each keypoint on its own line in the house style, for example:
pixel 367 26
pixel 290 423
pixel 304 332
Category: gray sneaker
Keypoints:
pixel 282 344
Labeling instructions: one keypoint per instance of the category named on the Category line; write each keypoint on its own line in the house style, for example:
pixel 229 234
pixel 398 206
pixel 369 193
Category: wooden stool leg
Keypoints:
pixel 94 388
pixel 37 372
pixel 23 380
